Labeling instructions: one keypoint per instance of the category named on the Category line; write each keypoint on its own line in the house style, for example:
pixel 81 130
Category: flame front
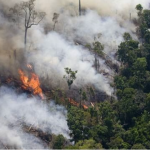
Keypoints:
pixel 74 103
pixel 32 84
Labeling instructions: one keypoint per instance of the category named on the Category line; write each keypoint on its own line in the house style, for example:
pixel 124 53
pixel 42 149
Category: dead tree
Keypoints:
pixel 25 13
pixel 55 19
pixel 79 7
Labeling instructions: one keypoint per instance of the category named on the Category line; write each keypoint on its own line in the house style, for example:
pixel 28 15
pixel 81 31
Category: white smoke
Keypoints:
pixel 51 52
pixel 57 50
pixel 55 53
pixel 109 7
pixel 85 28
pixel 18 110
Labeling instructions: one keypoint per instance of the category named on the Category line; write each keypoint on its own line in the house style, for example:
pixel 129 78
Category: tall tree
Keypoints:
pixel 26 11
pixel 70 76
pixel 79 7
pixel 139 8
pixel 98 51
pixel 55 19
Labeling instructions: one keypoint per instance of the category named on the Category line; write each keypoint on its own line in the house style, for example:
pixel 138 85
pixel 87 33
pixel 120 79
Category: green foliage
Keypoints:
pixel 148 101
pixel 127 51
pixel 138 146
pixel 84 96
pixel 123 123
pixel 59 142
pixel 78 122
pixel 127 36
pixel 88 144
pixel 70 76
pixel 98 125
pixel 139 7
pixel 118 143
pixel 98 48
pixel 144 24
pixel 98 52
pixel 139 67
pixel 121 82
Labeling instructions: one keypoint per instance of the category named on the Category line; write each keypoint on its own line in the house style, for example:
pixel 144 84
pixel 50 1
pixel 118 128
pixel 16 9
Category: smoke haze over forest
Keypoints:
pixel 51 49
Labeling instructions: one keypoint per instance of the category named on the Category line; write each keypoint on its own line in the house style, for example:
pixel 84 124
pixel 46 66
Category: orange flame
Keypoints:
pixel 74 103
pixel 85 107
pixel 32 84
pixel 71 101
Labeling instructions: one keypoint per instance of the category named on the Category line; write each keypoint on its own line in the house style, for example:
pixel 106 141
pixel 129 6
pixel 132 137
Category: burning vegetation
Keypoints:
pixel 31 83
pixel 74 103
pixel 94 83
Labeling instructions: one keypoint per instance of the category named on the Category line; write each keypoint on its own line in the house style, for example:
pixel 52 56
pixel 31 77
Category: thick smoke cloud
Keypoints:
pixel 85 28
pixel 51 58
pixel 55 51
pixel 18 110
pixel 122 7
pixel 50 52
pixel 109 20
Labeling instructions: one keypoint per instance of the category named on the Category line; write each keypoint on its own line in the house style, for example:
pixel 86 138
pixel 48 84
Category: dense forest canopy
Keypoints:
pixel 74 77
pixel 121 123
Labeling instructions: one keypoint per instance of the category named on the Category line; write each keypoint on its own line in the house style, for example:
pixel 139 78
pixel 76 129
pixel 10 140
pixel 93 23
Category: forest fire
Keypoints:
pixel 31 84
pixel 74 103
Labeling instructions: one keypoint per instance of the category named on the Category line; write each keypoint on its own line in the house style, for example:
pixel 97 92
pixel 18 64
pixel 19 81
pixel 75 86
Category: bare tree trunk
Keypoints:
pixel 79 7
pixel 98 65
pixel 25 39
pixel 95 63
pixel 54 26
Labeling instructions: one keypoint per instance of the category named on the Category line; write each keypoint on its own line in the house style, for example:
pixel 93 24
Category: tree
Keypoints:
pixel 59 142
pixel 138 146
pixel 120 82
pixel 139 8
pixel 88 144
pixel 55 19
pixel 127 36
pixel 143 24
pixel 79 122
pixel 26 11
pixel 139 73
pixel 126 106
pixel 70 77
pixel 118 143
pixel 148 102
pixel 127 51
pixel 84 96
pixel 98 50
pixel 140 66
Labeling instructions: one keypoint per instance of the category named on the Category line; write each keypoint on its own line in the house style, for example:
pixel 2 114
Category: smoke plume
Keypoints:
pixel 19 110
pixel 52 51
